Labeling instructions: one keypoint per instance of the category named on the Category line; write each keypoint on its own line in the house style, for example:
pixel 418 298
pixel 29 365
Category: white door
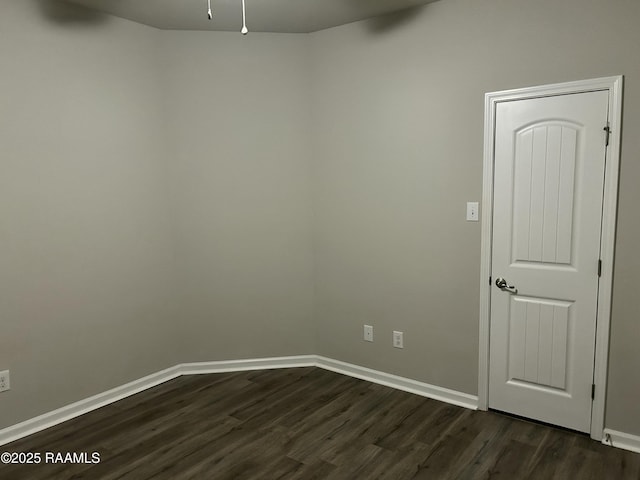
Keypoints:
pixel 548 191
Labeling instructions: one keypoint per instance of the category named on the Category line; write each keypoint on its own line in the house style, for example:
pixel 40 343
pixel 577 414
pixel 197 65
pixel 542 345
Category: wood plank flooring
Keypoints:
pixel 308 423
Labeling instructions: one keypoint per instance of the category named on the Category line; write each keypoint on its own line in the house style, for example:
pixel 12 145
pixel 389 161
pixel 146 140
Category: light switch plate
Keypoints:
pixel 472 211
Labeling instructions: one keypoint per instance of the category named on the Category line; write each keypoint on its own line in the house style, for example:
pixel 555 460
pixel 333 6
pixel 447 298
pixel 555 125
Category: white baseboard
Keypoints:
pixel 400 383
pixel 7 435
pixel 622 440
pixel 81 407
pixel 248 364
pixel 55 417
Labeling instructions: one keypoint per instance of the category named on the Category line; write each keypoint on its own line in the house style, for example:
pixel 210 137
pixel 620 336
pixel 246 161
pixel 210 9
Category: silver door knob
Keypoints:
pixel 502 284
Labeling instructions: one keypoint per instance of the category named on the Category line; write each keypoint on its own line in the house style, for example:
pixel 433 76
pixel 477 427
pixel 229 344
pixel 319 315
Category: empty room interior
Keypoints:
pixel 280 254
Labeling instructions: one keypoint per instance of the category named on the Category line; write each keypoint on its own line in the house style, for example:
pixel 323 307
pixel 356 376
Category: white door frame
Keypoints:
pixel 610 202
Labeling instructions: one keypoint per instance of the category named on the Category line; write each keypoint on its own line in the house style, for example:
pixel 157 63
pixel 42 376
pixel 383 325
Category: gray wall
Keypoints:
pixel 155 201
pixel 398 125
pixel 84 225
pixel 238 122
pixel 169 197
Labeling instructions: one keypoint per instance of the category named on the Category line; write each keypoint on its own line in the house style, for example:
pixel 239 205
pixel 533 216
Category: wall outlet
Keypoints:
pixel 398 339
pixel 368 333
pixel 4 381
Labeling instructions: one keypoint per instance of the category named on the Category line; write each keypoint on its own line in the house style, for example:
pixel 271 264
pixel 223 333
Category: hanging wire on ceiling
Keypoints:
pixel 244 30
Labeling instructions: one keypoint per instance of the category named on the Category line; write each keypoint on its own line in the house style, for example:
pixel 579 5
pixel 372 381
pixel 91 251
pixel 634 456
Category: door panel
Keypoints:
pixel 538 342
pixel 543 193
pixel 549 177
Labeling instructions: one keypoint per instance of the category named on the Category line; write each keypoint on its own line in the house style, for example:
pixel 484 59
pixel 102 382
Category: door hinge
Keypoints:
pixel 489 279
pixel 607 130
pixel 599 268
pixel 593 391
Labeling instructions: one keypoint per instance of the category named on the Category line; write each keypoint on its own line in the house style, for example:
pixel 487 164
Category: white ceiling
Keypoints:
pixel 285 16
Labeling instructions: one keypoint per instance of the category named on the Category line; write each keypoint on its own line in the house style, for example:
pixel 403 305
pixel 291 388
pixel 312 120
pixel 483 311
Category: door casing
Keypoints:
pixel 614 86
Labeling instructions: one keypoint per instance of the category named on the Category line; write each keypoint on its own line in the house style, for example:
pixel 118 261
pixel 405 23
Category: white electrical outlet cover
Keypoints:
pixel 5 381
pixel 398 339
pixel 368 333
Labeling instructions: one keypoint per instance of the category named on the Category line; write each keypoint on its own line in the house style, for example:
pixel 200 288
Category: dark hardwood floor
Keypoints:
pixel 308 423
